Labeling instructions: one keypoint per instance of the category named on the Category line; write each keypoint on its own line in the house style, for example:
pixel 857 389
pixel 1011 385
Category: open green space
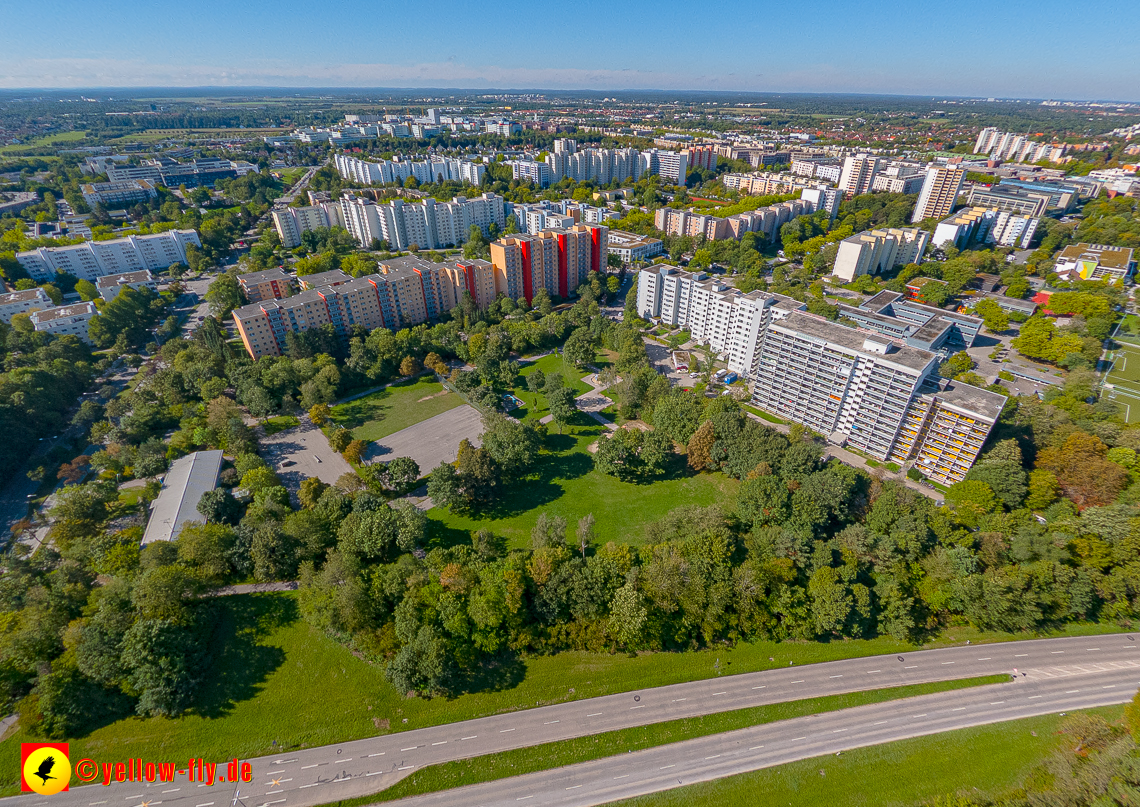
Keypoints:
pixel 1124 376
pixel 565 484
pixel 394 407
pixel 982 762
pixel 760 413
pixel 280 423
pixel 598 746
pixel 47 140
pixel 274 678
pixel 536 408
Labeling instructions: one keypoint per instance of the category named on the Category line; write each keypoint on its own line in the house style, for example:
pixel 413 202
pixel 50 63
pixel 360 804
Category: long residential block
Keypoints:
pixel 94 259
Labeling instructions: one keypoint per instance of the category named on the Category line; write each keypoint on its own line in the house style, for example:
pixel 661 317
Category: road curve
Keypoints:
pixel 313 776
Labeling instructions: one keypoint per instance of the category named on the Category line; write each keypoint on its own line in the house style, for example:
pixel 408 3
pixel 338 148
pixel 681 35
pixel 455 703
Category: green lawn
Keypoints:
pixel 567 485
pixel 280 423
pixel 273 678
pixel 1125 379
pixel 59 138
pixel 395 407
pixel 760 413
pixel 461 773
pixel 535 403
pixel 981 763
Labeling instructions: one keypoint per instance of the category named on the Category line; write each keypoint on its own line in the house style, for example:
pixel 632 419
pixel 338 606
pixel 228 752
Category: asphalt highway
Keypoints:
pixel 313 776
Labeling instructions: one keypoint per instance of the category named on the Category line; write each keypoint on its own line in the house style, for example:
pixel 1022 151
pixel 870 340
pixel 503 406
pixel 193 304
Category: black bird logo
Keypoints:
pixel 45 768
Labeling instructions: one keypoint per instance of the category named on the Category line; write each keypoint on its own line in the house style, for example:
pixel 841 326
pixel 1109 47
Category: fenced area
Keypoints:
pixel 1122 384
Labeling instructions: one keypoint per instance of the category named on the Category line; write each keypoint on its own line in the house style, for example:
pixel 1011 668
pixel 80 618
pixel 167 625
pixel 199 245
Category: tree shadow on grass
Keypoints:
pixel 494 674
pixel 239 664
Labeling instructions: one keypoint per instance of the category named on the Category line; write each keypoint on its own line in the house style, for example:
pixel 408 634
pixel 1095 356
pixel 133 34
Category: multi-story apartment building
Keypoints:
pixel 935 328
pixel 65 320
pixel 701 157
pixel 827 199
pixel 428 224
pixel 438 289
pixel 858 174
pixel 385 172
pixel 558 260
pixel 23 302
pixel 1095 262
pixel 670 165
pixel 269 284
pixel 1062 195
pixel 333 277
pixel 877 251
pixel 821 167
pixel 476 277
pixel 109 286
pixel 94 259
pixel 985 226
pixel 664 292
pixel 630 247
pixel 1017 148
pixel 125 193
pixel 682 222
pixel 1023 202
pixel 865 390
pixel 908 183
pixel 290 222
pixel 762 184
pixel 939 192
pixel 531 171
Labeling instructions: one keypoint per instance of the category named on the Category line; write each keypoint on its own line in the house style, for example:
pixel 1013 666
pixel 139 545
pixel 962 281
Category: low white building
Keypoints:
pixel 631 247
pixel 109 286
pixel 187 481
pixel 23 302
pixel 66 320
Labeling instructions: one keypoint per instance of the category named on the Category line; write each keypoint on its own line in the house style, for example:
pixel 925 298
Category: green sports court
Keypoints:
pixel 1124 376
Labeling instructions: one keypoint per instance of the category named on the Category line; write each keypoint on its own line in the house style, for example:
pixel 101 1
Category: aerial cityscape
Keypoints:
pixel 688 415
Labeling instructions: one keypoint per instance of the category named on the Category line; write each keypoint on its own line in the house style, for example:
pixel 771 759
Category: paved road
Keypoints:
pixel 733 753
pixel 311 776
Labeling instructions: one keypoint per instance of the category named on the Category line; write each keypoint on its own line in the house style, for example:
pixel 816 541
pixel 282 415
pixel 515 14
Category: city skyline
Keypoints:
pixel 851 49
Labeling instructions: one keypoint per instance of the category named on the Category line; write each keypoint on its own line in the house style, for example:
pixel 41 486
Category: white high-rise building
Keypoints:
pixel 94 259
pixel 878 251
pixel 385 172
pixel 428 224
pixel 290 222
pixel 858 174
pixel 939 193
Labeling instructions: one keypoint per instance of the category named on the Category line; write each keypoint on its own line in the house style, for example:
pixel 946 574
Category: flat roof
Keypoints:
pixel 63 311
pixel 188 479
pixel 912 358
pixel 972 399
pixel 881 300
pixel 23 296
pixel 1112 257
pixel 325 278
pixel 263 276
pixel 108 281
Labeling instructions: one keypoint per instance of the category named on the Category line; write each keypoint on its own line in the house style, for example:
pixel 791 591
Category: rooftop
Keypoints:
pixel 971 399
pixel 620 238
pixel 188 479
pixel 1111 257
pixel 23 296
pixel 330 278
pixel 63 312
pixel 854 340
pixel 107 281
pixel 264 276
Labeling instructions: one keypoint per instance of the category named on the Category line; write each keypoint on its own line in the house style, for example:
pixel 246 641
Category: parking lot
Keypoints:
pixel 303 452
pixel 431 441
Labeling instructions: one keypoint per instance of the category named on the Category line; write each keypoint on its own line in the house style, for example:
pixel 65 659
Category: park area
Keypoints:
pixel 535 404
pixel 395 407
pixel 564 483
pixel 1124 376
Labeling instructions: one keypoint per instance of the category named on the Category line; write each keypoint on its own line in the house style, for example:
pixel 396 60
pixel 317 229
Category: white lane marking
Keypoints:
pixel 921 715
pixel 872 672
pixel 987 658
pixel 524 798
pixel 667 767
pixel 959 709
pixel 306 767
pixel 911 667
pixel 835 676
pixel 753 748
pixel 1110 686
pixel 374 773
pixel 637 707
pixel 412 748
pixel 1020 655
pixel 838 730
pixel 1031 697
pixel 573 787
pixel 472 737
pixel 504 731
pixel 92 804
pixel 947 662
pixel 1072 691
pixel 1057 652
pixel 272 792
pixel 172 790
pixel 675 700
pixel 881 722
pixel 265 804
pixel 382 753
pixel 797 739
pixel 714 756
pixel 1090 649
pixel 441 742
pixel 406 768
pixel 761 687
pixel 718 693
pixel 595 714
pixel 314 784
pixel 1129 647
pixel 798 682
pixel 623 776
pixel 995 703
pixel 550 723
pixel 207 804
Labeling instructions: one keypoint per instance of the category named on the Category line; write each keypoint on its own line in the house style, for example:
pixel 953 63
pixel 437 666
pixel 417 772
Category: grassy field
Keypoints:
pixel 980 762
pixel 395 407
pixel 567 485
pixel 273 678
pixel 60 138
pixel 584 749
pixel 280 423
pixel 1125 379
pixel 536 403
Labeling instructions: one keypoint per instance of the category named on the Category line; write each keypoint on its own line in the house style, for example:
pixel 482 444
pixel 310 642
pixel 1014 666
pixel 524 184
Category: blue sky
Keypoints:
pixel 1009 48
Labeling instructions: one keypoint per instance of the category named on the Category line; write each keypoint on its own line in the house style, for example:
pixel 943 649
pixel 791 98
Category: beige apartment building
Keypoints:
pixel 270 284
